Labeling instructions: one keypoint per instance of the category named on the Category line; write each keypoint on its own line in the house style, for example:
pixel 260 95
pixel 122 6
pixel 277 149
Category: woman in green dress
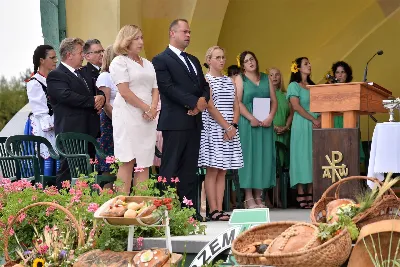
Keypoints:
pixel 282 120
pixel 259 171
pixel 344 74
pixel 301 132
pixel 284 114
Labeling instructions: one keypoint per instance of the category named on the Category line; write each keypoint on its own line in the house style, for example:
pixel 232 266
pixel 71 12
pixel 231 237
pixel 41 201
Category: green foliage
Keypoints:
pixel 328 231
pixel 13 96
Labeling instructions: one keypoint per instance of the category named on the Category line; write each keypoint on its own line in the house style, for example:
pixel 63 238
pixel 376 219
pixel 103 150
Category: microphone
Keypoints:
pixel 380 52
pixel 331 78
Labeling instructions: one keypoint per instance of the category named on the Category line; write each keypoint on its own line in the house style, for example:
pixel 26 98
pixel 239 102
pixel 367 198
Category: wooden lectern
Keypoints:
pixel 336 151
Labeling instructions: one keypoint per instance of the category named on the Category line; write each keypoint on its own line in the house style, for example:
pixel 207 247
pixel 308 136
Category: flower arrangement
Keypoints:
pixel 82 200
pixel 294 68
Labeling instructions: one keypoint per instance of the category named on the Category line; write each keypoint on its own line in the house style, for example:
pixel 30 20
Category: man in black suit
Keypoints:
pixel 93 51
pixel 184 95
pixel 75 100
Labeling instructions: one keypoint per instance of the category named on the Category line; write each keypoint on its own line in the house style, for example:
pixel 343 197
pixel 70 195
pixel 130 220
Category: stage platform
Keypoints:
pixel 194 243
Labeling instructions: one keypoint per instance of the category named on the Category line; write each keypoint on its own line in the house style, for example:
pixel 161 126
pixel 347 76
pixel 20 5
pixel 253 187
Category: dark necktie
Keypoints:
pixel 80 77
pixel 191 70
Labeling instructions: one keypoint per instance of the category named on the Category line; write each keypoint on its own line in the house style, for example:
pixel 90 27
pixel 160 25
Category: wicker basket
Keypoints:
pixel 384 209
pixel 80 237
pixel 332 253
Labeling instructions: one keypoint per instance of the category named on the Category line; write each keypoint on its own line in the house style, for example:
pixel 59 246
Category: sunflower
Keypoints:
pixel 38 262
pixel 238 60
pixel 294 67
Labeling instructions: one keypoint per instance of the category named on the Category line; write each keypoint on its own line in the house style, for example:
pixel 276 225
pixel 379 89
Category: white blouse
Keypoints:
pixel 105 80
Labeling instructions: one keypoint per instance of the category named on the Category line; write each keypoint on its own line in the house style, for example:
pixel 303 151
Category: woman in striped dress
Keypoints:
pixel 220 147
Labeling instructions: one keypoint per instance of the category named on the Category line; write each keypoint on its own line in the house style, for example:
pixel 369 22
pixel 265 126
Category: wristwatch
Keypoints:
pixel 235 125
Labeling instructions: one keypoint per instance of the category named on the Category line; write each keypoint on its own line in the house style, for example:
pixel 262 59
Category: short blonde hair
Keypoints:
pixel 124 39
pixel 108 56
pixel 210 51
pixel 282 84
pixel 68 46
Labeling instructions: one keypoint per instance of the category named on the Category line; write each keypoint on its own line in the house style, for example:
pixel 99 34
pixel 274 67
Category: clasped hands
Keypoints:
pixel 150 114
pixel 229 133
pixel 200 107
pixel 265 123
pixel 280 129
pixel 316 123
pixel 99 103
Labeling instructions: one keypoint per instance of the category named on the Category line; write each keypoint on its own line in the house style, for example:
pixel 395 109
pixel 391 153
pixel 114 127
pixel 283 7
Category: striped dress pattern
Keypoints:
pixel 214 151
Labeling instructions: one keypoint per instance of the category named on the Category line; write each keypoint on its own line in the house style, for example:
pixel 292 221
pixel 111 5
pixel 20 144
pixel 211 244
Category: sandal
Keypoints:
pixel 219 216
pixel 310 202
pixel 225 214
pixel 260 205
pixel 247 206
pixel 303 204
pixel 203 206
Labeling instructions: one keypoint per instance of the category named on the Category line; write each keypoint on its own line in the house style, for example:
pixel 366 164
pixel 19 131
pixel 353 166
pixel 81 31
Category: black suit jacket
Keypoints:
pixel 90 71
pixel 73 102
pixel 179 91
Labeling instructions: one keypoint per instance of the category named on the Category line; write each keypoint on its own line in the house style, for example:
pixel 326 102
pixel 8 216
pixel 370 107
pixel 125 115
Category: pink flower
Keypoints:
pixel 49 211
pixel 66 184
pixel 93 162
pixel 22 217
pixel 139 241
pixel 92 232
pixel 51 191
pixel 192 221
pixel 110 159
pixel 12 232
pixel 139 169
pixel 76 195
pixel 97 187
pixel 187 202
pixel 43 249
pixel 164 180
pixel 176 180
pixel 47 228
pixel 34 198
pixel 159 179
pixel 110 191
pixel 39 185
pixel 19 201
pixel 93 207
pixel 81 184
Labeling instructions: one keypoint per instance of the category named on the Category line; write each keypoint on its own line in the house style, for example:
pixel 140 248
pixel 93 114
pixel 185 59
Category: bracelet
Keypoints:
pixel 229 128
pixel 147 112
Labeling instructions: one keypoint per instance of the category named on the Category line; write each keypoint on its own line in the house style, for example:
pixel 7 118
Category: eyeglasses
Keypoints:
pixel 219 58
pixel 249 60
pixel 96 52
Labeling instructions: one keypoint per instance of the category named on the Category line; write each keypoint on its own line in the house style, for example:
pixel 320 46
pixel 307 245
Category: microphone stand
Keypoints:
pixel 366 68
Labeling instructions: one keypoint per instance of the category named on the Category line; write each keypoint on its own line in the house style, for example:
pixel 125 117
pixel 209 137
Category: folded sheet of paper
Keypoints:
pixel 261 108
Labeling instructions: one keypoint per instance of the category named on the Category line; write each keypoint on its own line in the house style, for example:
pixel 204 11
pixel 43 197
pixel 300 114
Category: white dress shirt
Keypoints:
pixel 178 53
pixel 70 68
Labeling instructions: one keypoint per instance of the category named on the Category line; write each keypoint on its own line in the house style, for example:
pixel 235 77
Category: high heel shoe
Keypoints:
pixel 247 206
pixel 260 205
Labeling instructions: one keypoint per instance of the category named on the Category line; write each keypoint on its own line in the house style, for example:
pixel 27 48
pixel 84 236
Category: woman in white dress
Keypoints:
pixel 105 84
pixel 135 107
pixel 41 117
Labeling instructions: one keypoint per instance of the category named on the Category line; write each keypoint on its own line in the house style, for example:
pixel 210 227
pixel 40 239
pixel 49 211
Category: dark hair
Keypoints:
pixel 233 70
pixel 40 52
pixel 241 60
pixel 175 22
pixel 346 68
pixel 296 77
pixel 88 44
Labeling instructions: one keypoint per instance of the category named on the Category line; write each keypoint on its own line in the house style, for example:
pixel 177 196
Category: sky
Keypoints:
pixel 21 33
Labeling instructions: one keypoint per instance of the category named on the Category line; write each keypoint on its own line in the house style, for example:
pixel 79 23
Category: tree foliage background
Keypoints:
pixel 13 96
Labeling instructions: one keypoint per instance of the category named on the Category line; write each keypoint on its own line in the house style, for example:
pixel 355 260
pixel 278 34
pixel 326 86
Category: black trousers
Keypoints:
pixel 180 154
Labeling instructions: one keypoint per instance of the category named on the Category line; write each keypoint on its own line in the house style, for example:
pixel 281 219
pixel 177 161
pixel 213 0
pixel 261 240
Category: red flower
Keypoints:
pixel 169 206
pixel 167 200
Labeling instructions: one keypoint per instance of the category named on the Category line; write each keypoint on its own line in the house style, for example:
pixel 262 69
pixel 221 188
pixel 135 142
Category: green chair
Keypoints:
pixel 74 147
pixel 8 166
pixel 282 170
pixel 25 150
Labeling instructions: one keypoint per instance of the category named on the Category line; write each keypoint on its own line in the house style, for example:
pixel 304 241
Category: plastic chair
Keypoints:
pixel 282 170
pixel 75 148
pixel 25 150
pixel 8 166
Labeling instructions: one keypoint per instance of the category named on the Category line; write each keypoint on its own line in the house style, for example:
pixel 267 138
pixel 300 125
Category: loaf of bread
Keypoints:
pixel 147 211
pixel 114 211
